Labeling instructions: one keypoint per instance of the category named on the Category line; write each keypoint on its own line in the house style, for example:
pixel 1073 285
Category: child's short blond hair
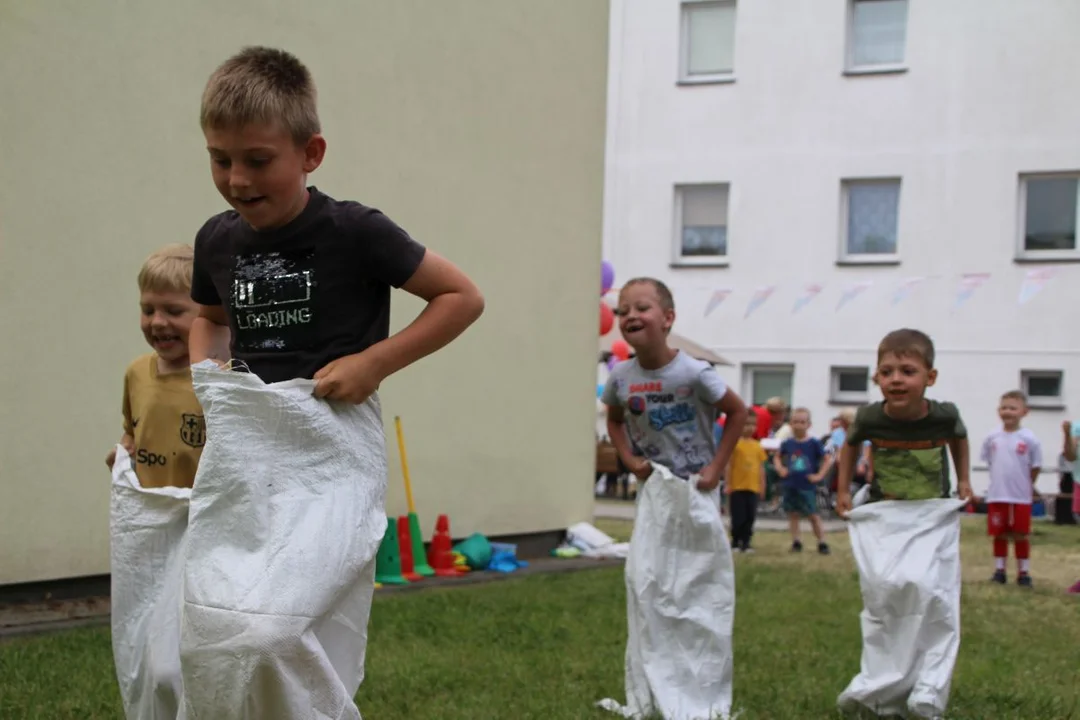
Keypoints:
pixel 262 85
pixel 847 416
pixel 168 270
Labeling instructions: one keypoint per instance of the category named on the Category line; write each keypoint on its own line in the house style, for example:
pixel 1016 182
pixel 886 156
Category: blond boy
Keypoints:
pixel 164 430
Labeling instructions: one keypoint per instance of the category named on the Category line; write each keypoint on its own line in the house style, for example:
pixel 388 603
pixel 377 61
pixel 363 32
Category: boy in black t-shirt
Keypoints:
pixel 290 281
pixel 294 284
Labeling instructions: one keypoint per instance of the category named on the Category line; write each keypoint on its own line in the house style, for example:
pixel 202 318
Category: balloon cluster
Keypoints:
pixel 619 349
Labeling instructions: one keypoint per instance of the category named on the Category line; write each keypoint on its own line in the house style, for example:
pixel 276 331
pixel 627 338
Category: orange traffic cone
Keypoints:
pixel 408 570
pixel 440 554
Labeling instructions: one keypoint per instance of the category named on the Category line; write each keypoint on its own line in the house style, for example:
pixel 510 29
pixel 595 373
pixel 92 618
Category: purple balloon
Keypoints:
pixel 611 362
pixel 607 277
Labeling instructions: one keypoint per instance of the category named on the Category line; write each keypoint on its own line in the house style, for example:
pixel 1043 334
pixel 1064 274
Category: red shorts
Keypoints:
pixel 1008 518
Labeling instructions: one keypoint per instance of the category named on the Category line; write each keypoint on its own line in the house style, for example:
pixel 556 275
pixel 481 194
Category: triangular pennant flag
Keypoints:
pixel 853 291
pixel 758 299
pixel 905 289
pixel 718 297
pixel 811 291
pixel 1034 281
pixel 969 283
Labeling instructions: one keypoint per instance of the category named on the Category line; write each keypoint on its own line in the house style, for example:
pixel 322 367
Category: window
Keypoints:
pixel 1043 388
pixel 701 235
pixel 849 384
pixel 708 41
pixel 761 382
pixel 1048 211
pixel 871 214
pixel 877 34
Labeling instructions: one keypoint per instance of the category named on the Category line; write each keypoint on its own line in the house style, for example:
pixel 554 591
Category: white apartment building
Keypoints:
pixel 807 175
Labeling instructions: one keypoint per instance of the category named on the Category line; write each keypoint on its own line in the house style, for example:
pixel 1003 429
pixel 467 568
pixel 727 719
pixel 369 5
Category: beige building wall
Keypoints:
pixel 478 125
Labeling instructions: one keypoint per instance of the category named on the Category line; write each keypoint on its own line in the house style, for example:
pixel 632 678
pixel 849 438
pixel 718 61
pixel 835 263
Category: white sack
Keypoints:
pixel 908 553
pixel 146 553
pixel 680 605
pixel 287 515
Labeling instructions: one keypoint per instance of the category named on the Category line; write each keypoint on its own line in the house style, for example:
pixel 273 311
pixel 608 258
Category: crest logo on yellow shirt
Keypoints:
pixel 193 430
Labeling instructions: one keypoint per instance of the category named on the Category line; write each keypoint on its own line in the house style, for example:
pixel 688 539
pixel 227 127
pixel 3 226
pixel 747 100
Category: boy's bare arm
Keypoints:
pixel 733 407
pixel 778 464
pixel 453 304
pixel 127 442
pixel 961 455
pixel 210 336
pixel 761 483
pixel 616 428
pixel 844 470
pixel 825 467
pixel 1069 448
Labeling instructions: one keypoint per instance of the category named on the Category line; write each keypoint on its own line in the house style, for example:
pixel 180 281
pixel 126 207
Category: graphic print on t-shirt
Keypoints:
pixel 272 300
pixel 193 430
pixel 662 409
pixel 915 469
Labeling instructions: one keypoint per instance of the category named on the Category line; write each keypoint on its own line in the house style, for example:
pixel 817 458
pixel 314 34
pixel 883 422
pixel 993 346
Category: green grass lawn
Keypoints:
pixel 550 646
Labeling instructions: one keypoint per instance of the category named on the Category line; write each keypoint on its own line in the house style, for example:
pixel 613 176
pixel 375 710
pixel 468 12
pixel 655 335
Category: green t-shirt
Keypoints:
pixel 910 457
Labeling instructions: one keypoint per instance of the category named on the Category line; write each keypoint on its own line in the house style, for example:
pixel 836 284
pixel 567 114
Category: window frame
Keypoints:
pixel 850 68
pixel 1043 402
pixel 849 258
pixel 841 397
pixel 677 257
pixel 748 370
pixel 1022 253
pixel 684 77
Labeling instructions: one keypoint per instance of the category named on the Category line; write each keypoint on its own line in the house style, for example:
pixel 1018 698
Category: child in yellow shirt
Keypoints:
pixel 164 431
pixel 745 485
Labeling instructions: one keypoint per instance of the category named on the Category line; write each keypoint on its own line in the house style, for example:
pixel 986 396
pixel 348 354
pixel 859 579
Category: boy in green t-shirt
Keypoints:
pixel 909 435
pixel 910 439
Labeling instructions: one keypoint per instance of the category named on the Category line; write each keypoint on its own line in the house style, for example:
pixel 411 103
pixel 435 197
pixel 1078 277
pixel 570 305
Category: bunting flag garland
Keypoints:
pixel 903 292
pixel 1034 281
pixel 900 290
pixel 758 299
pixel 810 292
pixel 853 291
pixel 969 283
pixel 718 297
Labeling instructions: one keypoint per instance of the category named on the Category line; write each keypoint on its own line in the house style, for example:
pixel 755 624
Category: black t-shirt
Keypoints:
pixel 305 294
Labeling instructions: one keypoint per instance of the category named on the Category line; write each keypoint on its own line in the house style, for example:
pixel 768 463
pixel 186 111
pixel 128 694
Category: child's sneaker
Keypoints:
pixel 1024 580
pixel 999 577
pixel 750 551
pixel 1075 589
pixel 796 546
pixel 823 548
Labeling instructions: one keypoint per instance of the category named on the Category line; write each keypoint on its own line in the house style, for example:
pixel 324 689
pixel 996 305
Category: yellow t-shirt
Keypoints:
pixel 163 415
pixel 746 465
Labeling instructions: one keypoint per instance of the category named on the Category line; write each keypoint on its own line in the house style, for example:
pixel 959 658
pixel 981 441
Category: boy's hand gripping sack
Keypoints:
pixel 287 515
pixel 147 531
pixel 908 554
pixel 680 605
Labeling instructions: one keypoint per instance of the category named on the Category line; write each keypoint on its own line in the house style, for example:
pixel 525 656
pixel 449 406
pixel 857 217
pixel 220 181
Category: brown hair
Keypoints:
pixel 167 270
pixel 910 343
pixel 667 300
pixel 1015 395
pixel 261 85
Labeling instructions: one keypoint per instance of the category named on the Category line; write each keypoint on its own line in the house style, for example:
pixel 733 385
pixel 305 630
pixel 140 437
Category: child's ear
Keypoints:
pixel 931 377
pixel 669 319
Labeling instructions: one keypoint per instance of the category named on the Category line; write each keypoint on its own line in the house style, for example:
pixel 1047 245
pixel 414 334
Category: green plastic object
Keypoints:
pixel 477 551
pixel 388 561
pixel 420 563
